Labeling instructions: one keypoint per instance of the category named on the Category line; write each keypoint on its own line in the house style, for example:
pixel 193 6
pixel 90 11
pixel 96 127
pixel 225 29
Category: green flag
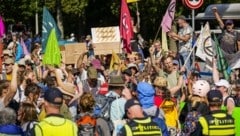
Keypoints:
pixel 48 23
pixel 221 61
pixel 52 54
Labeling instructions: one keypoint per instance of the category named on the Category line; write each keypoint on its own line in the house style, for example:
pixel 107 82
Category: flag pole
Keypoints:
pixel 137 5
pixel 189 55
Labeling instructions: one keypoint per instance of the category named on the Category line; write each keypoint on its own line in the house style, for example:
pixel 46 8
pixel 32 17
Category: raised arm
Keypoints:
pixel 156 68
pixel 13 86
pixel 80 60
pixel 217 16
pixel 215 71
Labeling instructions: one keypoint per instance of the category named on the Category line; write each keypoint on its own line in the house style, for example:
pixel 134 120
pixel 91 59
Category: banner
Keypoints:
pixel 48 23
pixel 169 16
pixel 131 1
pixel 2 27
pixel 52 54
pixel 126 28
pixel 105 34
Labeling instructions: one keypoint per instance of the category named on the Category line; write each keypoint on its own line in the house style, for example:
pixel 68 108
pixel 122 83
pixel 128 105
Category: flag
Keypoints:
pixel 131 1
pixel 19 52
pixel 164 41
pixel 115 59
pixel 221 61
pixel 204 43
pixel 48 23
pixel 52 54
pixel 25 51
pixel 2 27
pixel 233 59
pixel 126 28
pixel 169 16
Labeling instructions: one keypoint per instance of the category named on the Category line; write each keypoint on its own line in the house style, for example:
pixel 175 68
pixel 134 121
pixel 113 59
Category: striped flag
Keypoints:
pixel 169 16
pixel 25 51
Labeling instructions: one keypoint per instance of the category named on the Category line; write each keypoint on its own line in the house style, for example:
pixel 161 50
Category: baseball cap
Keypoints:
pixel 214 96
pixel 54 96
pixel 175 62
pixel 130 103
pixel 8 61
pixel 182 17
pixel 21 62
pixel 228 22
pixel 223 82
pixel 7 52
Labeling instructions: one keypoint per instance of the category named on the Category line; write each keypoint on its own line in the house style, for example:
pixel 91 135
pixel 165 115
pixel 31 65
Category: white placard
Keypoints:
pixel 105 34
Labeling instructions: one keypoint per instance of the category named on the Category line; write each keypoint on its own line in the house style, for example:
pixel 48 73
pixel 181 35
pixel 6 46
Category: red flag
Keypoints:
pixel 126 28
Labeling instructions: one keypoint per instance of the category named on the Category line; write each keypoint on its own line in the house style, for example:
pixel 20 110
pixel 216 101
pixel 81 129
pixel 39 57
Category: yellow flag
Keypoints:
pixel 164 41
pixel 131 1
pixel 114 59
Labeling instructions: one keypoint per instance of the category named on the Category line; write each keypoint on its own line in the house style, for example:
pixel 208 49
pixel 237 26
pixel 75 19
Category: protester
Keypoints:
pixel 27 116
pixel 8 125
pixel 184 38
pixel 230 39
pixel 114 94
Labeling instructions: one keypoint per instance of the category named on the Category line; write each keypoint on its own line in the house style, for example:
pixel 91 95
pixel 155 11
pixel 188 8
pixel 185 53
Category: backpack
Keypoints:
pixel 30 128
pixel 237 101
pixel 160 122
pixel 102 109
pixel 103 106
pixel 190 123
pixel 86 125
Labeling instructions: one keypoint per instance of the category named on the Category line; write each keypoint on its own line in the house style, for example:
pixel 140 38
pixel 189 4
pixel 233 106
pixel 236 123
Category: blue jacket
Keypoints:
pixel 11 129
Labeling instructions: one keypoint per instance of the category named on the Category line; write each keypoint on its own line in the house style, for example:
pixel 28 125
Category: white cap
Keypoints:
pixel 223 82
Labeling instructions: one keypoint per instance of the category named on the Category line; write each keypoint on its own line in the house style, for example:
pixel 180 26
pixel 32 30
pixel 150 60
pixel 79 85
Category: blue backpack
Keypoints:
pixel 161 123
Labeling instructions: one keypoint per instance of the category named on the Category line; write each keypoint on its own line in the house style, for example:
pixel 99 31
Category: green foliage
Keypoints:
pixel 84 14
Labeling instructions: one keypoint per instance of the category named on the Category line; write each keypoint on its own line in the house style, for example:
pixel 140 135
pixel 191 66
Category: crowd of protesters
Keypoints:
pixel 141 95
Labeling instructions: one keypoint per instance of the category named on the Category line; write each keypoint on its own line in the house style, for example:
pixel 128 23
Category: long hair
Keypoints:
pixel 29 112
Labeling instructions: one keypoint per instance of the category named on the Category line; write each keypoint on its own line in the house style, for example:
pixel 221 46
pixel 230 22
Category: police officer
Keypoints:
pixel 54 124
pixel 218 122
pixel 138 124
